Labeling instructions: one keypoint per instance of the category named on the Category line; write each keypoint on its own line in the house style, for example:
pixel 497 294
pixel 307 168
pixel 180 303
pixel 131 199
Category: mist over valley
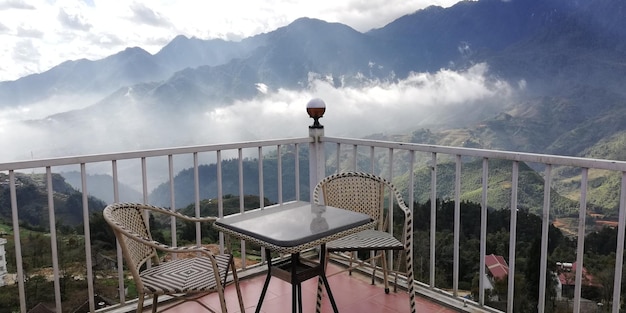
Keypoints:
pixel 531 76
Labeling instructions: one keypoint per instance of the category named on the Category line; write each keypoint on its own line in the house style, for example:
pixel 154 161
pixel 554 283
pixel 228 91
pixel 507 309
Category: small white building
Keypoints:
pixel 3 261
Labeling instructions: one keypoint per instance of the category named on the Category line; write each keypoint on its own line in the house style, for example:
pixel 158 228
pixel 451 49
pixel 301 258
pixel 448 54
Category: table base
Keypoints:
pixel 295 271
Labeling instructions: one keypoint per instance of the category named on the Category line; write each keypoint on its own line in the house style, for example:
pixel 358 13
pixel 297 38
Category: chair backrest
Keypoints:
pixel 356 191
pixel 128 223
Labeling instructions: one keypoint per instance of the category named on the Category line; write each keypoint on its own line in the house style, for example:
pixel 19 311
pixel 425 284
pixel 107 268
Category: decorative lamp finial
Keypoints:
pixel 316 108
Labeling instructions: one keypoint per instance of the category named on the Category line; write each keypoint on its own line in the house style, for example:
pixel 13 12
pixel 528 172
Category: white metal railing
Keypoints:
pixel 548 161
pixel 326 155
pixel 140 160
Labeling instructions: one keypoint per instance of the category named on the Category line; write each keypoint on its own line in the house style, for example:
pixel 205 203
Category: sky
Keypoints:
pixel 36 35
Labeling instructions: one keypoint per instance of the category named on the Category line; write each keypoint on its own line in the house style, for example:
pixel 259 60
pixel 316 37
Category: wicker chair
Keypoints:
pixel 365 193
pixel 193 276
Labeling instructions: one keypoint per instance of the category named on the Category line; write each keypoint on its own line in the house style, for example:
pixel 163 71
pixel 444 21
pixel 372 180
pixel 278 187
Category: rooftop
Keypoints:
pixel 497 266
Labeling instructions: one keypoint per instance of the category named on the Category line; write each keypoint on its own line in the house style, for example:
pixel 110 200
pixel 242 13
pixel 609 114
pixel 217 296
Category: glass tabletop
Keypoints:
pixel 294 223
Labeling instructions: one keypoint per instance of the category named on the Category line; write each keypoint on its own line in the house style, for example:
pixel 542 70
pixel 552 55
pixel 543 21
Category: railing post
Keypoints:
pixel 317 161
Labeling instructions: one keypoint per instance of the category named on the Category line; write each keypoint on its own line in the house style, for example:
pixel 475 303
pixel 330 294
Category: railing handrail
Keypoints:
pixel 93 158
pixel 613 165
pixel 316 142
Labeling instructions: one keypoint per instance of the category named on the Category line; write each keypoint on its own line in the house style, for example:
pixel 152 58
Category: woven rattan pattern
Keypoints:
pixel 365 193
pixel 354 193
pixel 202 274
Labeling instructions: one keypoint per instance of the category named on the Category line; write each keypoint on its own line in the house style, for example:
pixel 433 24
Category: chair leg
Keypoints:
pixel 220 292
pixel 410 280
pixel 140 303
pixel 236 279
pixel 373 257
pixel 155 301
pixel 320 288
pixel 220 288
pixel 397 264
pixel 353 257
pixel 324 257
pixel 383 255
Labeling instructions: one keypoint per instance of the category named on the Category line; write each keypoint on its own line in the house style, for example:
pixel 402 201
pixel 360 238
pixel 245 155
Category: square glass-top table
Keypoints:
pixel 291 228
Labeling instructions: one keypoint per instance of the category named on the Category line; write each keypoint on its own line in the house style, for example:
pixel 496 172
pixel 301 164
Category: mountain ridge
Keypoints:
pixel 568 61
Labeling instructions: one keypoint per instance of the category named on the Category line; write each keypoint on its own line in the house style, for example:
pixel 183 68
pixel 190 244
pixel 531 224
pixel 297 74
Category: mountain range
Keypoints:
pixel 566 59
pixel 570 56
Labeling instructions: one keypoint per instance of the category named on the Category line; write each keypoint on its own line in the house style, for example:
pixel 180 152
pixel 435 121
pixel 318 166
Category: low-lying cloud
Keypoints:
pixel 432 100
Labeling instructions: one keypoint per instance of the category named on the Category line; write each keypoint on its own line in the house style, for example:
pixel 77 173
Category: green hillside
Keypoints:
pixel 32 200
pixel 530 193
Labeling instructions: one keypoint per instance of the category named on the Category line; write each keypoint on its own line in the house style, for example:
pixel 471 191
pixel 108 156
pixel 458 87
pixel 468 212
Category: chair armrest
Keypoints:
pixel 206 219
pixel 160 246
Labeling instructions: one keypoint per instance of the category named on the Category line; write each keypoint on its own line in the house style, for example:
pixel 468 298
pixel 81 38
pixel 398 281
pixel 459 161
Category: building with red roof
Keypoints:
pixel 566 273
pixel 497 266
pixel 496 269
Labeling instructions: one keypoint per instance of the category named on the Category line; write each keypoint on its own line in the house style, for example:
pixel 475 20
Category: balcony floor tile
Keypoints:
pixel 352 294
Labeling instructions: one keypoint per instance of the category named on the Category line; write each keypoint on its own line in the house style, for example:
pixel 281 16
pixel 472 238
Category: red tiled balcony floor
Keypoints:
pixel 352 294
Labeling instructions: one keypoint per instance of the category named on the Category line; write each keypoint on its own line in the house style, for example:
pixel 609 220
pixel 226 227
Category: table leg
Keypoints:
pixel 300 298
pixel 268 257
pixel 330 294
pixel 296 287
pixel 323 281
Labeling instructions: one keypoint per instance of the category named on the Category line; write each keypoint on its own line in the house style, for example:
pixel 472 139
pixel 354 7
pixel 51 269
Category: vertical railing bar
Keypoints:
pixel 545 224
pixel 120 262
pixel 17 241
pixel 196 193
pixel 457 226
pixel 90 289
pixel 354 156
pixel 144 189
pixel 297 171
pixel 372 160
pixel 170 160
pixel 280 172
pixel 391 196
pixel 261 194
pixel 53 240
pixel 411 195
pixel 580 248
pixel 116 189
pixel 220 196
pixel 433 216
pixel 144 179
pixel 240 170
pixel 619 254
pixel 513 237
pixel 220 191
pixel 241 204
pixel 483 231
pixel 261 188
pixel 337 156
pixel 390 192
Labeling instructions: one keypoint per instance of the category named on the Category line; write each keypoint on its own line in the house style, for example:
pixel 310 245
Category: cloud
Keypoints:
pixel 29 32
pixel 106 40
pixel 26 52
pixel 73 21
pixel 145 15
pixel 422 100
pixel 156 22
pixel 15 4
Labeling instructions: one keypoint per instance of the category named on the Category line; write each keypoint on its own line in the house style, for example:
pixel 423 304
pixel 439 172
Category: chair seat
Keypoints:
pixel 184 275
pixel 366 240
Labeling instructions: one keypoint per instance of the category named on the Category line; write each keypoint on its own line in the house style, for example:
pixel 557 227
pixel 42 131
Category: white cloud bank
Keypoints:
pixel 421 100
